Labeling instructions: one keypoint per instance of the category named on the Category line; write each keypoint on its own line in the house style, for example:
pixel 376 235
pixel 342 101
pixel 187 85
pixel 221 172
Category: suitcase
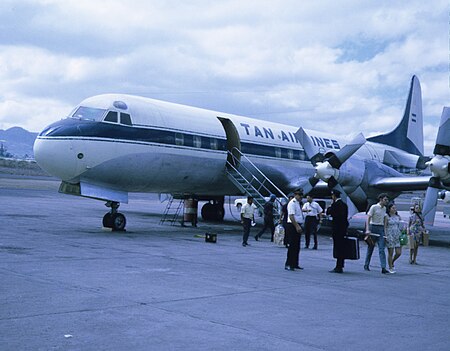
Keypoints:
pixel 351 248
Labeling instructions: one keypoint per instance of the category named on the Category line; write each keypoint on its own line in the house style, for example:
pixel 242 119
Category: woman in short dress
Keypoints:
pixel 393 231
pixel 415 230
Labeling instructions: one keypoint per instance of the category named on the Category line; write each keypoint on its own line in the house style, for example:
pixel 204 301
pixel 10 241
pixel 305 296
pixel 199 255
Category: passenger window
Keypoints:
pixel 197 141
pixel 111 117
pixel 179 140
pixel 290 154
pixel 278 152
pixel 125 119
pixel 214 145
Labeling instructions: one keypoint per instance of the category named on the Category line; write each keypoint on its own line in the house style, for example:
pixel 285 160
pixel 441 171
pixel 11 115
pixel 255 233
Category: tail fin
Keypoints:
pixel 408 135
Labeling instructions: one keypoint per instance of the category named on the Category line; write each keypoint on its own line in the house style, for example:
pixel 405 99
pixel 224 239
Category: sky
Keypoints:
pixel 339 65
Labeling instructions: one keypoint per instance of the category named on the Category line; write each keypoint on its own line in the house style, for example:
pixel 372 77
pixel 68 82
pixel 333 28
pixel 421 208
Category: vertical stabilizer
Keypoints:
pixel 408 135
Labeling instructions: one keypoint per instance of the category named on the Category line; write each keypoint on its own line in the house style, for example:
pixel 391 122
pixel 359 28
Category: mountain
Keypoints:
pixel 17 142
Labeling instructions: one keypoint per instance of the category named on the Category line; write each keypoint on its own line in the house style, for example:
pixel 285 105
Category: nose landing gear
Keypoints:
pixel 113 219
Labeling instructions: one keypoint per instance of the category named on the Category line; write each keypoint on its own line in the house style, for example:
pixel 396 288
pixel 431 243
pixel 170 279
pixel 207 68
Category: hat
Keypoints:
pixel 273 196
pixel 336 193
pixel 298 191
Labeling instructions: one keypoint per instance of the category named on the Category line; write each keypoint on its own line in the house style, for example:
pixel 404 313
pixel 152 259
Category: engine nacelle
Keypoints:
pixel 351 174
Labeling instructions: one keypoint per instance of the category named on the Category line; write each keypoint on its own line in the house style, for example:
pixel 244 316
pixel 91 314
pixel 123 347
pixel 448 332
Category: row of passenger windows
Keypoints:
pixel 114 116
pixel 220 144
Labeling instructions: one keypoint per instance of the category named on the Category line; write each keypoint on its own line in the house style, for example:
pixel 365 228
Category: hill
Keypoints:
pixel 17 142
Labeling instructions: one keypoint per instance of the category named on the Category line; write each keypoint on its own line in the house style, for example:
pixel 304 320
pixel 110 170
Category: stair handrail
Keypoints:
pixel 256 168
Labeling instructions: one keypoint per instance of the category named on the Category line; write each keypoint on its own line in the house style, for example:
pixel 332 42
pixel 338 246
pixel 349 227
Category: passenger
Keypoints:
pixel 247 217
pixel 392 230
pixel 375 226
pixel 268 218
pixel 313 216
pixel 415 229
pixel 294 230
pixel 339 211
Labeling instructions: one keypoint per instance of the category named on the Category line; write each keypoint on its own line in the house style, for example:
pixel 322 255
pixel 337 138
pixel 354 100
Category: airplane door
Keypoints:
pixel 233 141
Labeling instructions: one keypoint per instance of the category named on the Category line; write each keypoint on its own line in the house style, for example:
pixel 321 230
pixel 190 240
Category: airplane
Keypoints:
pixel 114 144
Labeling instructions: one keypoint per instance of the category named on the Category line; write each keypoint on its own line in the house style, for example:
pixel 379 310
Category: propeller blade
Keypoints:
pixel 443 141
pixel 347 151
pixel 308 146
pixel 431 197
pixel 334 185
pixel 310 184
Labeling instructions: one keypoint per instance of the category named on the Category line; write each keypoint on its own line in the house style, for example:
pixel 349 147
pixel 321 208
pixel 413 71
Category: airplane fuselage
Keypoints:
pixel 135 144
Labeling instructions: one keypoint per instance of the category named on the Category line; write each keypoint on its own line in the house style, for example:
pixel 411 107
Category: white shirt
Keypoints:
pixel 248 211
pixel 294 208
pixel 313 208
pixel 377 214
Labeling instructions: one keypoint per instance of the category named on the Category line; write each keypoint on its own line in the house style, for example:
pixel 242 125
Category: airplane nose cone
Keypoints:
pixel 55 157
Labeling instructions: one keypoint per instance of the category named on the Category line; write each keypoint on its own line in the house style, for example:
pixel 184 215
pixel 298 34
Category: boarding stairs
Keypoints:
pixel 172 211
pixel 250 180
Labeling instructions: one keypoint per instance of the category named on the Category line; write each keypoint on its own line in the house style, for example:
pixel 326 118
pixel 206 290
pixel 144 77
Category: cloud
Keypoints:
pixel 347 63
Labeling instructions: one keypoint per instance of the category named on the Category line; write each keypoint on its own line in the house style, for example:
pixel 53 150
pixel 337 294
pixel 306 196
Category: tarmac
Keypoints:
pixel 68 284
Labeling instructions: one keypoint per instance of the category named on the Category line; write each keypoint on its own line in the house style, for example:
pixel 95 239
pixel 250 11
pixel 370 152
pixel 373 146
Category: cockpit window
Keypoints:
pixel 111 117
pixel 88 113
pixel 125 118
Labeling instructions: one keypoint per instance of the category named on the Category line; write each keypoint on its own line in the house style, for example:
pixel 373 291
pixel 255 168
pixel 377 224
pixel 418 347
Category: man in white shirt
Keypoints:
pixel 247 217
pixel 313 212
pixel 375 226
pixel 294 230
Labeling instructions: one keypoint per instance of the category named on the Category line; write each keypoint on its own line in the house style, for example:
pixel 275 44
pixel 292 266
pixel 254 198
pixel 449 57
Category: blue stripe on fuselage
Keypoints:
pixel 74 128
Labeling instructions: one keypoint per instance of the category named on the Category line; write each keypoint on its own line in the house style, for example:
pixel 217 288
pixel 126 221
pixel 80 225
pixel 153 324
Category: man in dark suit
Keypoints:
pixel 339 211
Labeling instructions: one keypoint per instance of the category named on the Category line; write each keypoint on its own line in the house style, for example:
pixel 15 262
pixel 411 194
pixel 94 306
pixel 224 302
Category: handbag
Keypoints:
pixel 278 236
pixel 403 238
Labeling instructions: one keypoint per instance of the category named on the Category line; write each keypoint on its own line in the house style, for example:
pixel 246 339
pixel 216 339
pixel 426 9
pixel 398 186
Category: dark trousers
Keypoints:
pixel 293 253
pixel 247 225
pixel 338 248
pixel 310 228
pixel 268 223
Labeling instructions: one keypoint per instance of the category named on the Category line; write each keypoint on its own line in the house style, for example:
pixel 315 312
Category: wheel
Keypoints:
pixel 118 222
pixel 107 220
pixel 207 210
pixel 213 212
pixel 219 212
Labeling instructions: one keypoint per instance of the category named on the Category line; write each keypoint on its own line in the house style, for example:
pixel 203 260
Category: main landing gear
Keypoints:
pixel 213 211
pixel 113 219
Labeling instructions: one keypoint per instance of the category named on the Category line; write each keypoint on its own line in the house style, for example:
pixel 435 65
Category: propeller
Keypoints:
pixel 439 167
pixel 327 166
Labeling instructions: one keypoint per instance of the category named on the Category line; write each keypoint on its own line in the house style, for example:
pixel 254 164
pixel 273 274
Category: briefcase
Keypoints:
pixel 351 248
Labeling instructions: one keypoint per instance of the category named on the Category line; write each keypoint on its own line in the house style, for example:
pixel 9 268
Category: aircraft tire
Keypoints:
pixel 118 222
pixel 107 220
pixel 213 212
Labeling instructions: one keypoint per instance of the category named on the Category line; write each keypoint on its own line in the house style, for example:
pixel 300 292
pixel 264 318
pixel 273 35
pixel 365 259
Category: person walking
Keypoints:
pixel 392 230
pixel 339 212
pixel 415 230
pixel 268 218
pixel 375 226
pixel 294 231
pixel 247 217
pixel 313 216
